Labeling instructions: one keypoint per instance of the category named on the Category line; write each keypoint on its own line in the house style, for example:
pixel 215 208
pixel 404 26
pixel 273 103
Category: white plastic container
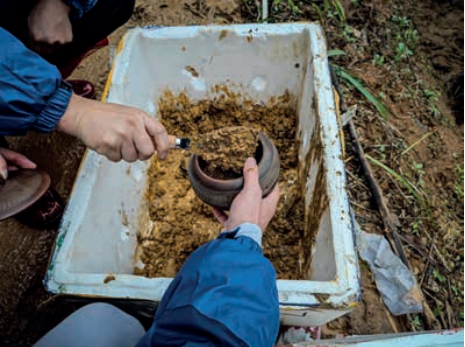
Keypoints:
pixel 97 237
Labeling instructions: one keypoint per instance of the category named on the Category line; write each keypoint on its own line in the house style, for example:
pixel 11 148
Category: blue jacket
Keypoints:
pixel 32 93
pixel 79 7
pixel 224 295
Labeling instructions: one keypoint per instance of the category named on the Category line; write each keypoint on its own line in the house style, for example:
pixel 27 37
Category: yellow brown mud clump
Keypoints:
pixel 224 151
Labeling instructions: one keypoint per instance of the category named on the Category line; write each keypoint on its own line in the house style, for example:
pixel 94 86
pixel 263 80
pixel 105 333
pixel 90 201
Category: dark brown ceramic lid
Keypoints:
pixel 21 190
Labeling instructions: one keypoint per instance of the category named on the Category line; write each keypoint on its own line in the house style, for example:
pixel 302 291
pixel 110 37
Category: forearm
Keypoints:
pixel 69 123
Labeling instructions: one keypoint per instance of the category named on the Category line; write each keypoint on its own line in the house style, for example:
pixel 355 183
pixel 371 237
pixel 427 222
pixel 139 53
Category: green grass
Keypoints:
pixel 412 36
pixel 402 52
pixel 401 21
pixel 440 277
pixel 347 34
pixel 458 187
pixel 405 38
pixel 378 60
pixel 295 9
pixel 319 12
pixel 347 78
pixel 339 10
pixel 336 52
pixel 417 142
pixel 416 227
pixel 399 178
pixel 330 9
pixel 416 321
pixel 431 95
pixel 432 98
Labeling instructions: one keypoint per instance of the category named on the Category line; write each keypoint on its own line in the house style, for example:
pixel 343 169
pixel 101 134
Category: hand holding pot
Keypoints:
pixel 248 206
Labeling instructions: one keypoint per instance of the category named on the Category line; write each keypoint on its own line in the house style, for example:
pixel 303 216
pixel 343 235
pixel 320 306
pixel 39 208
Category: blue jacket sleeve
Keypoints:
pixel 224 295
pixel 79 7
pixel 32 93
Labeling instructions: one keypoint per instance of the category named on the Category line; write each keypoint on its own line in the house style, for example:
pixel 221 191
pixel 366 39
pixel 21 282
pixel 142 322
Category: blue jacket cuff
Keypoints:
pixel 54 109
pixel 247 234
pixel 250 230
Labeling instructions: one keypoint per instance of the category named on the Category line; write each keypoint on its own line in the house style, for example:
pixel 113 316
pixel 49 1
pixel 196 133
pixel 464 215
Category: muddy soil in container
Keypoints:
pixel 182 222
pixel 225 150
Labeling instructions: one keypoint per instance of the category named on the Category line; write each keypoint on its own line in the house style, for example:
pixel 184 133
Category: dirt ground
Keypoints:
pixel 420 140
pixel 414 85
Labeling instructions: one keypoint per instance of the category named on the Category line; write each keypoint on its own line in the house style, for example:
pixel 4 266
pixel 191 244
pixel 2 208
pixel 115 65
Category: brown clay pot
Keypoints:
pixel 221 193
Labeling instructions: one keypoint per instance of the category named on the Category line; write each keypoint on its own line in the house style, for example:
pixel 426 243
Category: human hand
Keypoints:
pixel 12 161
pixel 116 131
pixel 49 26
pixel 249 206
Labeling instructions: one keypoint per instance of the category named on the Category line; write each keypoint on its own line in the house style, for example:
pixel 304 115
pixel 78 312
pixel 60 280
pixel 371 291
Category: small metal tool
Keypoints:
pixel 182 143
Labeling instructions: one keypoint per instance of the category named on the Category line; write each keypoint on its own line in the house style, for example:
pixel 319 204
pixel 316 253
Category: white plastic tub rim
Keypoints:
pixel 103 190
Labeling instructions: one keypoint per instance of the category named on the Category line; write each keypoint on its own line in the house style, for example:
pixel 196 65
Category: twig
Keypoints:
pixel 443 320
pixel 47 301
pixel 425 254
pixel 438 304
pixel 417 142
pixel 389 125
pixel 450 316
pixel 194 11
pixel 430 320
pixel 359 206
pixel 348 159
pixel 356 179
pixel 426 273
pixel 391 321
pixel 377 195
pixel 398 188
pixel 423 275
pixel 439 255
pixel 428 291
pixel 449 291
pixel 248 7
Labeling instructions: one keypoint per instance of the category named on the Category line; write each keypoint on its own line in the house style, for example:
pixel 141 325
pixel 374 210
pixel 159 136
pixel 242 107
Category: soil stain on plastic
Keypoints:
pixel 192 71
pixel 109 278
pixel 223 34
